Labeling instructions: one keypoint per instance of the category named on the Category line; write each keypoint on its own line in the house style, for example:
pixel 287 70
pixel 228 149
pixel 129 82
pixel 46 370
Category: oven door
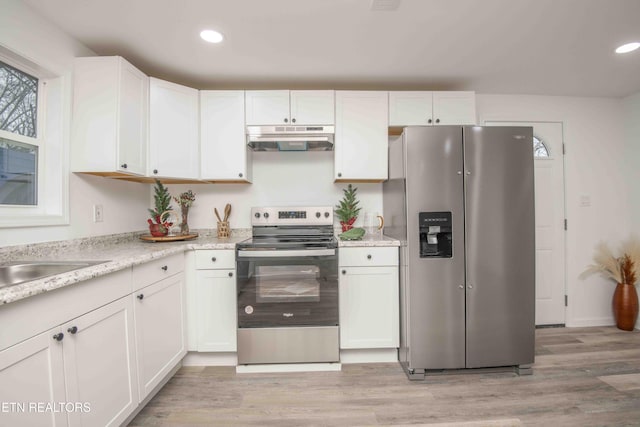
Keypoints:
pixel 280 288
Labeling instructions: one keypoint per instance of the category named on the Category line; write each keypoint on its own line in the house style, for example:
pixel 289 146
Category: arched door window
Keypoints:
pixel 540 149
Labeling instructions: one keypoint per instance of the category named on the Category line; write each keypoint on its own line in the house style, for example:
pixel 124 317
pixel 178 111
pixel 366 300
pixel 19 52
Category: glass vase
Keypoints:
pixel 184 226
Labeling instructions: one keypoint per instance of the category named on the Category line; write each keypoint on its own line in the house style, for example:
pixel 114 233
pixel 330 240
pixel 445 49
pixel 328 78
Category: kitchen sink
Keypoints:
pixel 18 272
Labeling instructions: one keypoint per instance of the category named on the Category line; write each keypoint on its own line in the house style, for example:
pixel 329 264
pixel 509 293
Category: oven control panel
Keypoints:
pixel 314 215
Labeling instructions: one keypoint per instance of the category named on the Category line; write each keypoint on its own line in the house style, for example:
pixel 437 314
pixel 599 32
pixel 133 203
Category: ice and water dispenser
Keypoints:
pixel 435 235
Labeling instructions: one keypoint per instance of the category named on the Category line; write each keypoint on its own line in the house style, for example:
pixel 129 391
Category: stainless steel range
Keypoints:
pixel 287 278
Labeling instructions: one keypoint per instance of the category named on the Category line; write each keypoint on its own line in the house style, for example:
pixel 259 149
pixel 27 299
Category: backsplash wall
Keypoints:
pixel 279 179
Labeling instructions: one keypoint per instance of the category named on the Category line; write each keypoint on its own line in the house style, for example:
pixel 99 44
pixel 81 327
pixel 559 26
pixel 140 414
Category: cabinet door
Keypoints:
pixel 99 364
pixel 174 130
pixel 223 143
pixel 133 113
pixel 31 373
pixel 217 310
pixel 361 136
pixel 160 326
pixel 369 307
pixel 110 110
pixel 454 108
pixel 312 107
pixel 410 108
pixel 267 107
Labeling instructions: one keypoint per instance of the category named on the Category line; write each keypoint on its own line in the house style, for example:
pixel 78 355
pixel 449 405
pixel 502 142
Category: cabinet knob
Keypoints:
pixel 339 174
pixel 155 171
pixel 293 120
pixel 230 274
pixel 429 121
pixel 123 166
pixel 59 336
pixel 461 286
pixel 437 120
pixel 369 256
pixel 140 297
pixel 213 259
pixel 164 267
pixel 72 330
pixel 240 174
pixel 286 120
pixel 344 271
pixel 470 286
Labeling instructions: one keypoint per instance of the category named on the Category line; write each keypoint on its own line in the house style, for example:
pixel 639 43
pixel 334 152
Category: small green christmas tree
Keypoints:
pixel 162 200
pixel 348 209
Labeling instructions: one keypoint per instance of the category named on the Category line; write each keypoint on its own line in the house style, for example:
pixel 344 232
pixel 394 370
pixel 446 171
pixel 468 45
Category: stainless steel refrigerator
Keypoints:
pixel 461 200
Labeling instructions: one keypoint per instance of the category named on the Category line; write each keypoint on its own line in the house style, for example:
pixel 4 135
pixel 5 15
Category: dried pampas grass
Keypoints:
pixel 622 268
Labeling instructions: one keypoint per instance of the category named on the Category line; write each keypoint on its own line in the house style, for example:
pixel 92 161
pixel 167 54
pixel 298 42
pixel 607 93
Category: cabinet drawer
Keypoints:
pixel 152 271
pixel 368 256
pixel 214 259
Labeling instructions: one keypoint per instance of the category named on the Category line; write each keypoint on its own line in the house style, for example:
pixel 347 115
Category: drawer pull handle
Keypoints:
pixel 369 256
pixel 72 330
pixel 165 268
pixel 59 336
pixel 230 274
pixel 213 259
pixel 140 296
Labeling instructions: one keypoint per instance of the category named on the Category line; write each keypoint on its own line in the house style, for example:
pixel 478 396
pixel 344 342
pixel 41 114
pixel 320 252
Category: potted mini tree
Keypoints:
pixel 158 226
pixel 347 210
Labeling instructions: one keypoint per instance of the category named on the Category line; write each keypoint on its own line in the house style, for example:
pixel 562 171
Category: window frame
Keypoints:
pixel 53 108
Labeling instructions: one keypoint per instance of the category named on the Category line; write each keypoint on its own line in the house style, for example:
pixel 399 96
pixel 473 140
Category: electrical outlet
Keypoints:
pixel 97 213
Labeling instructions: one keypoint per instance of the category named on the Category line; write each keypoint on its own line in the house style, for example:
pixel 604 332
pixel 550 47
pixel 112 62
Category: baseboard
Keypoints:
pixel 369 355
pixel 194 358
pixel 594 321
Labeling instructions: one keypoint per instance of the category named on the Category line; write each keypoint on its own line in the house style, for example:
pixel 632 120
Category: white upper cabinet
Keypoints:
pixel 110 109
pixel 432 108
pixel 300 107
pixel 173 130
pixel 224 154
pixel 361 136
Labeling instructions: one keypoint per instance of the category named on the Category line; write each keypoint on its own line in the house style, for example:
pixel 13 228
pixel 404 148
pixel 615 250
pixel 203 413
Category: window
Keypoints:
pixel 34 115
pixel 539 148
pixel 19 142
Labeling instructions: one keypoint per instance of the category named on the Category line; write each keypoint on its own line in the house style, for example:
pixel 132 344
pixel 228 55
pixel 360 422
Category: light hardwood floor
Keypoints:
pixel 581 377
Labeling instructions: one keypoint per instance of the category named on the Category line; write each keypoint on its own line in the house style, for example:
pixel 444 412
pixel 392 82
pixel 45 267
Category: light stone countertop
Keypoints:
pixel 119 252
pixel 368 242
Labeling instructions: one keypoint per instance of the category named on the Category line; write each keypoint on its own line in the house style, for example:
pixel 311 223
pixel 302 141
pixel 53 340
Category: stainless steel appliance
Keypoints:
pixel 287 279
pixel 290 138
pixel 461 200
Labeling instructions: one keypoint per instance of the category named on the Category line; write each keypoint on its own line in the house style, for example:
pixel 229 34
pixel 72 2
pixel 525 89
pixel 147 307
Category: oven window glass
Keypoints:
pixel 287 283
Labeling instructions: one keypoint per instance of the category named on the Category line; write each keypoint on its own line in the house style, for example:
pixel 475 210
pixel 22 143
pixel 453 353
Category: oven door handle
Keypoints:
pixel 257 253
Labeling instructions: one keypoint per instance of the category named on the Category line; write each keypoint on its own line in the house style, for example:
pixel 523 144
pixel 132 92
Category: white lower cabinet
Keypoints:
pixel 160 327
pixel 216 317
pixel 369 298
pixel 32 372
pixel 92 357
pixel 99 365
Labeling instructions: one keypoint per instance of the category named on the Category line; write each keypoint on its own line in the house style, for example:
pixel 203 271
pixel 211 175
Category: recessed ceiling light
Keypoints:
pixel 629 47
pixel 211 36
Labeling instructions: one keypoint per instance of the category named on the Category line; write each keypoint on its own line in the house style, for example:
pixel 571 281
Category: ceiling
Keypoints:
pixel 546 47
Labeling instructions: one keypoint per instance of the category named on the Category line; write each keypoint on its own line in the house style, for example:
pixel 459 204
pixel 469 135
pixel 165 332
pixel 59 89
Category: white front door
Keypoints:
pixel 549 197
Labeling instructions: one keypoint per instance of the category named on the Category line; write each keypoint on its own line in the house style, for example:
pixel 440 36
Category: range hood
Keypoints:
pixel 290 138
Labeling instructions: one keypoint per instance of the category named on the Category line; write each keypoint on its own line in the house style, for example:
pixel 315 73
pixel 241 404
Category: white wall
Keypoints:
pixel 632 127
pixel 279 178
pixel 24 33
pixel 594 165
